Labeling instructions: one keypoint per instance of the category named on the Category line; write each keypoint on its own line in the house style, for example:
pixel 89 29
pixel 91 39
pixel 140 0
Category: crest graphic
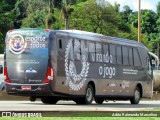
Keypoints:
pixel 17 44
pixel 75 80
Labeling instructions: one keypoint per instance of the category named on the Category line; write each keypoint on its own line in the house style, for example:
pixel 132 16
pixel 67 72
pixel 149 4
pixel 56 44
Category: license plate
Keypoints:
pixel 26 87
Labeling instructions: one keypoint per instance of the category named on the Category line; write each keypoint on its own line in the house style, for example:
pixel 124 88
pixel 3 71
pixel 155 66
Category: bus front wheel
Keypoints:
pixel 137 96
pixel 89 96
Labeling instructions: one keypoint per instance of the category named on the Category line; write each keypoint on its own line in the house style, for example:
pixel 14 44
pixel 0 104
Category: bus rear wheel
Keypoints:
pixel 137 96
pixel 49 100
pixel 88 98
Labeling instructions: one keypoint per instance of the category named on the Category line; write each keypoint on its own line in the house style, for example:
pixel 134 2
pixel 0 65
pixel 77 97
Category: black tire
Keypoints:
pixel 99 100
pixel 49 100
pixel 137 96
pixel 89 96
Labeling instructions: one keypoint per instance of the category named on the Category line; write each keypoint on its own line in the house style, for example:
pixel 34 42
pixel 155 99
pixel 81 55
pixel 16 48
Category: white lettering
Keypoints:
pixel 93 57
pixel 38 45
pixel 35 39
pixel 102 57
pixel 107 71
pixel 106 58
pixel 99 57
pixel 100 70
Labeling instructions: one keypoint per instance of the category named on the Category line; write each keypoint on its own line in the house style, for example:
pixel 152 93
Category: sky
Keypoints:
pixel 133 4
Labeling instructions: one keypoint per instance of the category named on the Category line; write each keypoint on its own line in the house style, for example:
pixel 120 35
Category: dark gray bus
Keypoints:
pixel 76 65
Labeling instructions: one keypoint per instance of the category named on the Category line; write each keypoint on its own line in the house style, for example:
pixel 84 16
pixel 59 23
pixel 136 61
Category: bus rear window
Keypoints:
pixel 30 42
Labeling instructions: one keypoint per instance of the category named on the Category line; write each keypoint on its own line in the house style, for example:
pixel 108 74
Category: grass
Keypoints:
pixel 88 116
pixel 85 118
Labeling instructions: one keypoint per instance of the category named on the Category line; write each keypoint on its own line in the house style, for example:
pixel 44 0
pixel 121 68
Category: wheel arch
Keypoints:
pixel 139 85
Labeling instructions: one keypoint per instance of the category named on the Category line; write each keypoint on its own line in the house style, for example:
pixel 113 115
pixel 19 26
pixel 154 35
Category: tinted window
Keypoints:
pixel 106 56
pixel 125 55
pixel 60 43
pixel 84 50
pixel 92 48
pixel 137 61
pixel 77 50
pixel 112 53
pixel 27 43
pixel 130 56
pixel 98 48
pixel 99 55
pixel 119 55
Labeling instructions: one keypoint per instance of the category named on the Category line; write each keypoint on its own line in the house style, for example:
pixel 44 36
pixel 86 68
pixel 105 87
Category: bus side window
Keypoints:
pixel 106 57
pixel 99 57
pixel 92 55
pixel 60 43
pixel 119 55
pixel 112 49
pixel 149 69
pixel 84 50
pixel 125 55
pixel 130 56
pixel 137 60
pixel 77 50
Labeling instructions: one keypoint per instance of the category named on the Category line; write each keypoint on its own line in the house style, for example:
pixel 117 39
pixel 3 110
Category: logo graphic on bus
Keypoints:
pixel 75 80
pixel 17 44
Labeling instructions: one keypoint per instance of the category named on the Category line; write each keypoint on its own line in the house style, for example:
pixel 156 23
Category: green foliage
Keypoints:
pixel 1 43
pixel 95 18
pixel 158 8
pixel 6 19
pixel 20 11
pixel 148 22
pixel 126 13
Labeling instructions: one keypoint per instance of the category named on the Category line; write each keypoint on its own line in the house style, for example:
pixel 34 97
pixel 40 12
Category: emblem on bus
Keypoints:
pixel 17 44
pixel 75 80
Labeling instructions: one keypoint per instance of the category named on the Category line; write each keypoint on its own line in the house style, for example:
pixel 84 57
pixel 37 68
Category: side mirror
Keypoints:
pixel 1 69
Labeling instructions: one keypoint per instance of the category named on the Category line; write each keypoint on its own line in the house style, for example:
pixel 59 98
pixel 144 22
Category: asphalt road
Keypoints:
pixel 72 106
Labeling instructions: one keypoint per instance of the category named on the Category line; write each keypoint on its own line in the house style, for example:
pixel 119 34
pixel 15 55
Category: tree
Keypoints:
pixel 148 21
pixel 1 43
pixel 40 13
pixel 35 14
pixel 7 15
pixel 6 19
pixel 66 11
pixel 117 6
pixel 158 8
pixel 51 5
pixel 126 13
pixel 20 11
pixel 98 18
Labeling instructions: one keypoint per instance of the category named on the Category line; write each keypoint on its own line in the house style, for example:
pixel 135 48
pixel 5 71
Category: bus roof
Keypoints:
pixel 98 37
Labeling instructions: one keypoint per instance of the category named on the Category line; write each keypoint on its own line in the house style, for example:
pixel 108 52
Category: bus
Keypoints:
pixel 76 65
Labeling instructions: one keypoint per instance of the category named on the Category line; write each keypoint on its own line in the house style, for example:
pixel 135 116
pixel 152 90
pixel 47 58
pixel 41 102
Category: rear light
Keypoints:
pixel 49 75
pixel 6 75
pixel 47 30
